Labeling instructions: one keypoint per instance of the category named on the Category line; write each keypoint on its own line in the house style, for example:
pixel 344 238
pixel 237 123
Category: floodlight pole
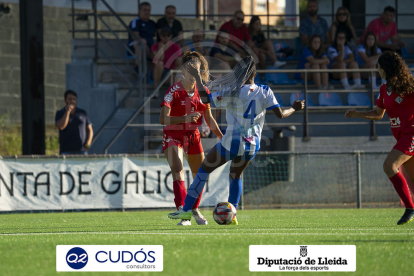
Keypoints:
pixel 32 77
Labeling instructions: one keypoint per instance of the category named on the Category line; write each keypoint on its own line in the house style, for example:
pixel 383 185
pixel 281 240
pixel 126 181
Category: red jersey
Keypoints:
pixel 241 33
pixel 400 111
pixel 182 104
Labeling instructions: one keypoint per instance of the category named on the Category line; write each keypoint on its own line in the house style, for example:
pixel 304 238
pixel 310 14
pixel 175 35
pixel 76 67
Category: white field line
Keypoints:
pixel 209 234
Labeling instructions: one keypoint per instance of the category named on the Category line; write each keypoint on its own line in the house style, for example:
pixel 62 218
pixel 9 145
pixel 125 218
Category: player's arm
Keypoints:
pixel 200 87
pixel 212 124
pixel 283 113
pixel 373 115
pixel 166 119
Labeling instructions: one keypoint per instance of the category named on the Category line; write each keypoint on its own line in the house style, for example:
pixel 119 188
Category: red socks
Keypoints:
pixel 180 192
pixel 400 185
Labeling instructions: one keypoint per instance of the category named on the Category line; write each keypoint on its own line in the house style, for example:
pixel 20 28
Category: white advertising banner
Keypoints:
pixel 97 183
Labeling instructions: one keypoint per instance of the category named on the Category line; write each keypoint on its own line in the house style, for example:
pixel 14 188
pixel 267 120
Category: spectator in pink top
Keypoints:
pixel 166 55
pixel 385 29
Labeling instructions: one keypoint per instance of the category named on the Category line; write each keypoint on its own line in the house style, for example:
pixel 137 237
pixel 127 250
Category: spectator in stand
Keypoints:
pixel 166 55
pixel 239 34
pixel 143 28
pixel 342 57
pixel 264 46
pixel 313 24
pixel 224 57
pixel 314 57
pixel 367 56
pixel 197 44
pixel 169 21
pixel 343 23
pixel 75 128
pixel 385 29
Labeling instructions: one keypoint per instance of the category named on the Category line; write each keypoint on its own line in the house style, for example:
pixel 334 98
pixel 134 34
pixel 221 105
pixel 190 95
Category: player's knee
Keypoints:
pixel 235 175
pixel 389 167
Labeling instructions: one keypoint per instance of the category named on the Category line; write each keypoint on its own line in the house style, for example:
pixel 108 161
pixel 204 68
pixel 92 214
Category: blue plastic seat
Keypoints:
pixel 278 78
pixel 329 99
pixel 300 97
pixel 360 99
pixel 405 54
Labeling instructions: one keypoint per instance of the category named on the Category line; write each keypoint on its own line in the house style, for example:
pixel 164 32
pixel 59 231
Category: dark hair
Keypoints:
pixel 239 11
pixel 70 92
pixel 399 78
pixel 309 1
pixel 374 49
pixel 170 6
pixel 144 4
pixel 334 44
pixel 252 21
pixel 253 66
pixel 196 57
pixel 318 52
pixel 166 30
pixel 389 9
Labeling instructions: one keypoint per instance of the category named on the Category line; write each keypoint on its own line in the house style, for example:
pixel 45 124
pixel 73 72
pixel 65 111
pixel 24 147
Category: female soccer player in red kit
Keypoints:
pixel 182 111
pixel 397 98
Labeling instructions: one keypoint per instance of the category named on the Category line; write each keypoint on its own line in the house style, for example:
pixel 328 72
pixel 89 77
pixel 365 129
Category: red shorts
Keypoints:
pixel 406 144
pixel 190 142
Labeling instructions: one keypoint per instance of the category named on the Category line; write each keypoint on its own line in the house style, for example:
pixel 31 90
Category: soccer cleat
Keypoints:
pixel 407 217
pixel 235 222
pixel 200 219
pixel 184 222
pixel 180 214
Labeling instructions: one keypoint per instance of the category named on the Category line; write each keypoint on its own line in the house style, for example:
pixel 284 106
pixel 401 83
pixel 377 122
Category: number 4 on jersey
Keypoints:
pixel 251 111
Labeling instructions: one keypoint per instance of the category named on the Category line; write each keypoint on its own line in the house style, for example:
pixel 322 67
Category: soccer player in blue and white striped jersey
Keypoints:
pixel 241 142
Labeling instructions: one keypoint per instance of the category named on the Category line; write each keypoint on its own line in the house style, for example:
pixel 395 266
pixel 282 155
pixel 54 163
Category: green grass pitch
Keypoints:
pixel 28 241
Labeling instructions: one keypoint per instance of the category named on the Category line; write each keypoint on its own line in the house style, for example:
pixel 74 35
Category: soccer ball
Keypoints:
pixel 224 213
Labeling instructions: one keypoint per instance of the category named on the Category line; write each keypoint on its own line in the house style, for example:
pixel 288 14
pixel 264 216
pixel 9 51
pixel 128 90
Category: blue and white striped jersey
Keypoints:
pixel 245 117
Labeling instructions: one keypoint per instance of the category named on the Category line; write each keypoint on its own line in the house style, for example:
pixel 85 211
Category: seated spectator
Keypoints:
pixel 223 57
pixel 314 25
pixel 341 57
pixel 197 44
pixel 75 128
pixel 385 29
pixel 166 55
pixel 264 47
pixel 143 28
pixel 239 34
pixel 314 57
pixel 169 21
pixel 367 56
pixel 343 23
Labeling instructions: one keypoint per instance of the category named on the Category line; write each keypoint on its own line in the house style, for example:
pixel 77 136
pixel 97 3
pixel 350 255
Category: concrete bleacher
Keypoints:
pixel 101 85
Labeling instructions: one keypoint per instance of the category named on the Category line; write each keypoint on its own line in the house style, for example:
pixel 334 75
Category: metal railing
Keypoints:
pixel 295 89
pixel 140 84
pixel 204 16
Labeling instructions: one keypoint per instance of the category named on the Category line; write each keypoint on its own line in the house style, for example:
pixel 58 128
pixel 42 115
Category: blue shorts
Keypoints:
pixel 230 156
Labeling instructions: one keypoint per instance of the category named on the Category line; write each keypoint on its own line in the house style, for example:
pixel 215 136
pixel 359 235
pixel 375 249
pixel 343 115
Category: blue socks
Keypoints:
pixel 235 191
pixel 195 189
